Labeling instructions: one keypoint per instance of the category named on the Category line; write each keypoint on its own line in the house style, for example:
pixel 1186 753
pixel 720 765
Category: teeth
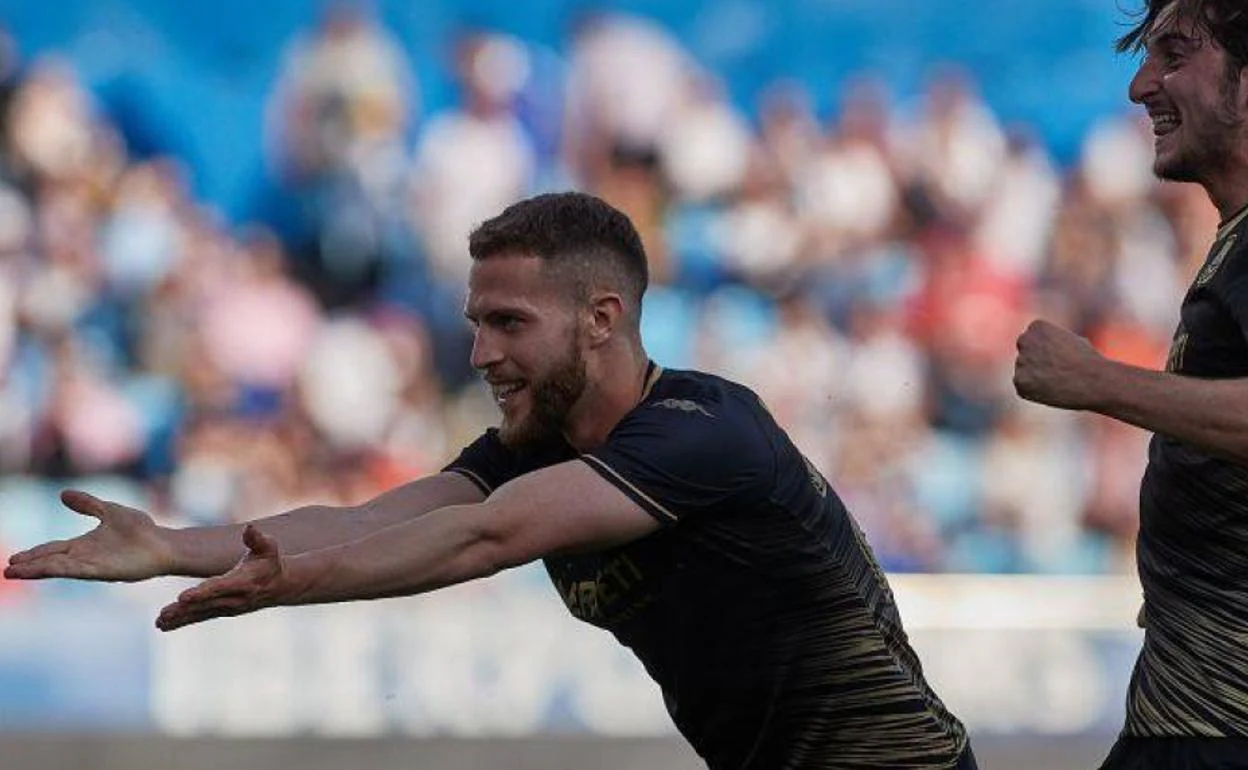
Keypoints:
pixel 501 392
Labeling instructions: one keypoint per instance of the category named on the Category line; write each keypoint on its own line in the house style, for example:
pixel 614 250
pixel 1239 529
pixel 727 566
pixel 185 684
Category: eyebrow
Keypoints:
pixel 1170 39
pixel 494 313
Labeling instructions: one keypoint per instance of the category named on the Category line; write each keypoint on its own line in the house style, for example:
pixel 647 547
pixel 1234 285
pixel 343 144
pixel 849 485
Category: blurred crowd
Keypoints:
pixel 866 271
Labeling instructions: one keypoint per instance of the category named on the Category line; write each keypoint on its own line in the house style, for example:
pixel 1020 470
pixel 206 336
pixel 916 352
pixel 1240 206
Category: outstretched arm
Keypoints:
pixel 207 551
pixel 127 545
pixel 1058 368
pixel 564 508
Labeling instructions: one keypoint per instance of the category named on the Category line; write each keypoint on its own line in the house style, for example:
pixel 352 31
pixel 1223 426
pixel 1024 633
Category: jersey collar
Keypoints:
pixel 653 372
pixel 1232 223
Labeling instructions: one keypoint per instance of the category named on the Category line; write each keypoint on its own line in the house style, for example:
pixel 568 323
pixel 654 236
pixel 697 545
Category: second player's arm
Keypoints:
pixel 1059 368
pixel 1210 414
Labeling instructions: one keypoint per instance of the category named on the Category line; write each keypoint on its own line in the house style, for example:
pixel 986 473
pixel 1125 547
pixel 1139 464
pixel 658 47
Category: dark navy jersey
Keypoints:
pixel 757 607
pixel 1191 678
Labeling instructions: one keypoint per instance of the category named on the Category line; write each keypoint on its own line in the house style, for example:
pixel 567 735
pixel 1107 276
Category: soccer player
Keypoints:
pixel 1188 701
pixel 668 506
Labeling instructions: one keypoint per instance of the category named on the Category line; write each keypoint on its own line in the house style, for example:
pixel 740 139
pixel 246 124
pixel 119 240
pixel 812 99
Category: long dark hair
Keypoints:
pixel 1224 21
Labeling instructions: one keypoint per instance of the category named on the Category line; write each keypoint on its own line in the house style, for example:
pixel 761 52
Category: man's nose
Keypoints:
pixel 1145 83
pixel 485 352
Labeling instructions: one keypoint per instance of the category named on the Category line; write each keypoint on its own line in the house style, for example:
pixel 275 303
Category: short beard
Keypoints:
pixel 552 399
pixel 1208 148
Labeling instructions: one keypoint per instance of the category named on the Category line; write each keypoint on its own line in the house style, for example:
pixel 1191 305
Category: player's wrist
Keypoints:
pixel 301 578
pixel 186 552
pixel 1104 385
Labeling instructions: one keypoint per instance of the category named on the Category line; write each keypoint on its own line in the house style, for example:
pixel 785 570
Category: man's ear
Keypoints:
pixel 606 313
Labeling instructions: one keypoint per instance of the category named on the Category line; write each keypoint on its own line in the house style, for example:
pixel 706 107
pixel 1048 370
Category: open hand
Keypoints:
pixel 256 582
pixel 126 545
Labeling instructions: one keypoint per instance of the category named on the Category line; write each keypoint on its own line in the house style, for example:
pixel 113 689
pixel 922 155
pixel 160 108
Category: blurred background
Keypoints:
pixel 232 257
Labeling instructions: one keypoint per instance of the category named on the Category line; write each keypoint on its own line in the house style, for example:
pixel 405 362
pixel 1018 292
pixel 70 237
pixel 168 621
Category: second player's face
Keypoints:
pixel 1195 104
pixel 527 345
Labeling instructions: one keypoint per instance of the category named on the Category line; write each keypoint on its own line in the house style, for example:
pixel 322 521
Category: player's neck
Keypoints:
pixel 1228 188
pixel 616 385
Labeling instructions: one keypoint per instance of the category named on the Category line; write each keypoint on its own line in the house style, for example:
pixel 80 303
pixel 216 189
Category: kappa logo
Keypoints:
pixel 683 405
pixel 1210 269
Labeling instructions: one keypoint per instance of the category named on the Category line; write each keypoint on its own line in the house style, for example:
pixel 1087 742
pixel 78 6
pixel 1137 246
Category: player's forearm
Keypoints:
pixel 1209 414
pixel 448 546
pixel 208 551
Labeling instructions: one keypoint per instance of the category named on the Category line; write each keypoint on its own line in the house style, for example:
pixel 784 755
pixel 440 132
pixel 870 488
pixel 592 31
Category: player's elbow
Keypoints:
pixel 495 544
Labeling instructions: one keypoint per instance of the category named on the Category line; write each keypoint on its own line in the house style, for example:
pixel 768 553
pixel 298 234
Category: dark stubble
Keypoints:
pixel 552 399
pixel 1210 142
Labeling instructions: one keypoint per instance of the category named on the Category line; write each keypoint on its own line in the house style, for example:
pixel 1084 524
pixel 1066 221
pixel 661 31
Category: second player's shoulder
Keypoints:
pixel 1227 261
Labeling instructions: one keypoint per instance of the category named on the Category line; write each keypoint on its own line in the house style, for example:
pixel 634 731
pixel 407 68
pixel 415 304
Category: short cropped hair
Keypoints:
pixel 578 235
pixel 1224 21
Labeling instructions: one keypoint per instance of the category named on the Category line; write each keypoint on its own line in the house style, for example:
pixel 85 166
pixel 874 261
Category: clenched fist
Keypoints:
pixel 1056 367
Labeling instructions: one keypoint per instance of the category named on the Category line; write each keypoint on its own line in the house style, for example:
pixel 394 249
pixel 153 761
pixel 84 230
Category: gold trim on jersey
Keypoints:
pixel 474 478
pixel 1211 267
pixel 652 377
pixel 658 507
pixel 1231 224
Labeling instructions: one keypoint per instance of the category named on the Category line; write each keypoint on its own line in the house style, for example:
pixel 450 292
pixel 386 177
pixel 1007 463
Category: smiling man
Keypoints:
pixel 1188 702
pixel 668 506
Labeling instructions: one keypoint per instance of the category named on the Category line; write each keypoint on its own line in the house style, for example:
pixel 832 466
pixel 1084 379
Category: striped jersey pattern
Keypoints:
pixel 1191 678
pixel 757 607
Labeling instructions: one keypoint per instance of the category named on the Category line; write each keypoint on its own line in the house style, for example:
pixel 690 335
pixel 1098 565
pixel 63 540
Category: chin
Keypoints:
pixel 510 433
pixel 1174 170
pixel 523 434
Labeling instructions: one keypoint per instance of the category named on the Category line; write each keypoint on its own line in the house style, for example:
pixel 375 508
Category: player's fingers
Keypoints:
pixel 81 502
pixel 257 542
pixel 180 614
pixel 49 566
pixel 39 551
pixel 222 587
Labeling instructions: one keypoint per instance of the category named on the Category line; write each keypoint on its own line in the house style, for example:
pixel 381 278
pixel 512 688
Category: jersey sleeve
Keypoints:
pixel 676 458
pixel 489 463
pixel 485 462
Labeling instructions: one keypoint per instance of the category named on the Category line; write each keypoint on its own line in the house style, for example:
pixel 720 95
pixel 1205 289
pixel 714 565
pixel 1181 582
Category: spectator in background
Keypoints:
pixel 474 158
pixel 788 129
pixel 1012 227
pixel 344 96
pixel 258 327
pixel 848 189
pixel 626 78
pixel 88 426
pixel 705 147
pixel 760 237
pixel 51 127
pixel 955 147
pixel 966 314
pixel 337 122
pixel 894 250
